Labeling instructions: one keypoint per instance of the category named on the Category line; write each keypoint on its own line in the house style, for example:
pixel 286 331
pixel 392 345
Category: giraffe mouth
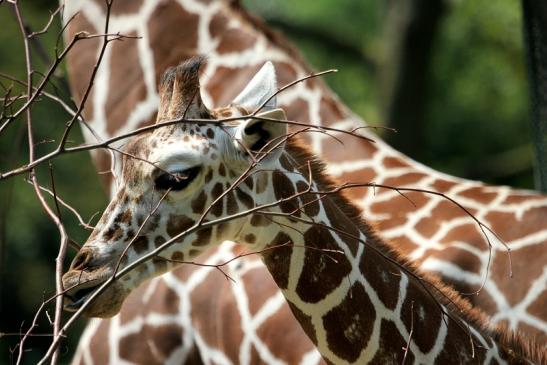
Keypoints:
pixel 77 296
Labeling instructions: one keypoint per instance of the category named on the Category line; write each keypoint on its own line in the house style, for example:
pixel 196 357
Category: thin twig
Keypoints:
pixel 69 207
pixel 407 347
pixel 289 85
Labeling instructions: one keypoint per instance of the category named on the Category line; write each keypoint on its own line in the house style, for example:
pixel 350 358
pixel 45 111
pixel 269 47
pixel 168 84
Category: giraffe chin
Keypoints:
pixel 105 305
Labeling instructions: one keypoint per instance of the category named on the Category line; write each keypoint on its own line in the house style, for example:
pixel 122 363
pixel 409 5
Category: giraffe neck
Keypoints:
pixel 356 299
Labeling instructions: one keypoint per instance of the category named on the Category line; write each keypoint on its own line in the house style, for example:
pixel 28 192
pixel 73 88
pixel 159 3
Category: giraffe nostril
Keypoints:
pixel 81 260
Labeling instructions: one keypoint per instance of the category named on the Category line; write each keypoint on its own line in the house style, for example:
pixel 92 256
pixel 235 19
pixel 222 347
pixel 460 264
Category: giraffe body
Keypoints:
pixel 451 245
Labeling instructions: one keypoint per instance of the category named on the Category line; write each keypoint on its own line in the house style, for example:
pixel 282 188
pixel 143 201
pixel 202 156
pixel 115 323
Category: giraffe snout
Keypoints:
pixel 87 273
pixel 82 259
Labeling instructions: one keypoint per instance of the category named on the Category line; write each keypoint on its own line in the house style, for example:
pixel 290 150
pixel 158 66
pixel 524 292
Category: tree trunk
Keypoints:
pixel 411 27
pixel 535 35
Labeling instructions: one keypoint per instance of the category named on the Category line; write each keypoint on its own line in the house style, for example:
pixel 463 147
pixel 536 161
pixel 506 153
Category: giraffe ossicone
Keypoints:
pixel 355 298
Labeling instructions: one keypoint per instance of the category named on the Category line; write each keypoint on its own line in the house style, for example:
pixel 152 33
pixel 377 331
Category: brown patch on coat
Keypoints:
pixel 468 232
pixel 217 207
pixel 537 307
pixel 198 204
pixel 123 217
pixel 211 301
pixel 164 339
pixel 113 233
pixel 177 256
pixel 443 186
pixel 298 110
pixel 407 179
pixel 208 176
pixel 228 82
pixel 308 202
pixel 330 110
pixel 257 220
pixel 465 259
pixel 203 237
pixel 101 348
pixel 392 162
pixel 161 42
pixel 178 224
pixel 235 40
pixel 285 163
pixel 286 74
pixel 425 329
pixel 391 346
pixel 158 241
pixel 479 195
pixel 284 189
pixel 221 170
pixel 344 227
pixel 323 271
pixel 244 198
pixel 289 336
pixel 529 223
pixel 258 282
pixel 520 197
pixel 125 90
pixel 349 328
pixel 231 203
pixel 80 64
pixel 278 259
pixel 352 147
pixel 383 279
pixel 457 348
pixel 160 264
pixel 399 207
pixel 218 23
pixel 249 182
pixel 516 288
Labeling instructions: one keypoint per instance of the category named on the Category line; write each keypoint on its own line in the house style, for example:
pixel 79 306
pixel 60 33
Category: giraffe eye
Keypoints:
pixel 177 180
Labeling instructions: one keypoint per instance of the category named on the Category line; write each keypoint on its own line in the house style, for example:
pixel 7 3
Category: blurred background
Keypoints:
pixel 449 75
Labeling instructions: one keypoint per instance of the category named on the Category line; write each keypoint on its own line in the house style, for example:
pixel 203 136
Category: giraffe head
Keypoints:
pixel 170 176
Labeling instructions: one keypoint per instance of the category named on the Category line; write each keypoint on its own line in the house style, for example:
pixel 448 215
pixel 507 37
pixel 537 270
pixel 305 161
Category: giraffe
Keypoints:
pixel 436 236
pixel 187 187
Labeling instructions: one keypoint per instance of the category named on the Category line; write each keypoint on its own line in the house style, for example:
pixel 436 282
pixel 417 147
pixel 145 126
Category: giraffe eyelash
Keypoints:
pixel 177 180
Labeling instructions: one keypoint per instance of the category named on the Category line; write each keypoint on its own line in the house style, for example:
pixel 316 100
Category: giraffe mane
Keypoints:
pixel 514 343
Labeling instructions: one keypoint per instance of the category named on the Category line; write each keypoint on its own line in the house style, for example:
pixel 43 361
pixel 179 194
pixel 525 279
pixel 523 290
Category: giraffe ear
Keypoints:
pixel 260 136
pixel 261 87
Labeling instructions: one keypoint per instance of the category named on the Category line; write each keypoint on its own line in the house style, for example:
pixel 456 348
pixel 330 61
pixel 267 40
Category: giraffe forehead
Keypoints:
pixel 232 111
pixel 178 147
pixel 176 155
